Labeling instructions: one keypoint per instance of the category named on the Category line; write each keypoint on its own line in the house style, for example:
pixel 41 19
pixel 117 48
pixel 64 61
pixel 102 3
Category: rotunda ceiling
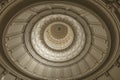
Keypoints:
pixel 57 40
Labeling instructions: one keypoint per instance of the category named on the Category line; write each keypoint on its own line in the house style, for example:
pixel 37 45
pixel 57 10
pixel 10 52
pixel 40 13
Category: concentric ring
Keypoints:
pixel 43 51
pixel 84 44
pixel 58 35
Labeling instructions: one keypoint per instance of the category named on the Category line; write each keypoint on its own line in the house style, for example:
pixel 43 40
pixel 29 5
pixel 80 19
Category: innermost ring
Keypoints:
pixel 58 35
pixel 59 30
